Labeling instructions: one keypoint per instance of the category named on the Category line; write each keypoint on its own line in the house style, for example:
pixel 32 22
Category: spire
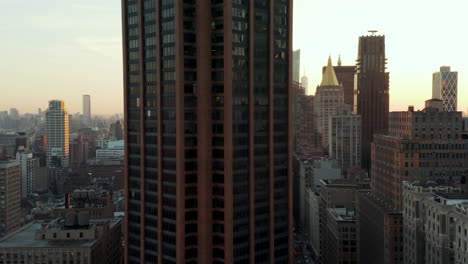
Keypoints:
pixel 339 60
pixel 329 76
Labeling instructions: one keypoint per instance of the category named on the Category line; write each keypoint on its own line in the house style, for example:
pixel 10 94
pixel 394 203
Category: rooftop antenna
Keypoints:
pixel 372 32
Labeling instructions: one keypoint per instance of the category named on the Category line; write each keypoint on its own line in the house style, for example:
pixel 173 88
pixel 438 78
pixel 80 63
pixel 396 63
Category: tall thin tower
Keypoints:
pixel 58 135
pixel 445 87
pixel 371 91
pixel 208 131
pixel 87 107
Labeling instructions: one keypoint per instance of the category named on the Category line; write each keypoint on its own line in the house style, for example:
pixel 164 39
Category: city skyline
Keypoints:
pixel 58 65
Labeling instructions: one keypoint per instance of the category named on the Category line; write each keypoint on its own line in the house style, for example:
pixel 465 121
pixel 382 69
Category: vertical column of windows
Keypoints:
pixel 151 129
pixel 133 129
pixel 190 129
pixel 280 128
pixel 261 130
pixel 168 130
pixel 217 118
pixel 241 113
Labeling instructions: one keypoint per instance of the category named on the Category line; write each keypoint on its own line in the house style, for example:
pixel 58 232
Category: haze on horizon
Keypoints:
pixel 62 49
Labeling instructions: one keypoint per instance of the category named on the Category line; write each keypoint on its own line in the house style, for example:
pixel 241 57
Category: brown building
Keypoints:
pixel 95 205
pixel 345 76
pixel 371 100
pixel 421 145
pixel 305 132
pixel 208 131
pixel 339 237
pixel 10 196
pixel 380 231
pixel 79 149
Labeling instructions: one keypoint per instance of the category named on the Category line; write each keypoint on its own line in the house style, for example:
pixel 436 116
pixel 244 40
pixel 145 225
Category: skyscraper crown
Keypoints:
pixel 329 76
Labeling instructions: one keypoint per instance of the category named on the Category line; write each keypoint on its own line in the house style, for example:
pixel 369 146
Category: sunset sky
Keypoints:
pixel 61 49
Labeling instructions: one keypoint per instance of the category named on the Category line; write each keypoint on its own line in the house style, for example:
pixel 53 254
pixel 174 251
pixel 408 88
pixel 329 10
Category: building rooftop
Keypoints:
pixel 342 214
pixel 25 237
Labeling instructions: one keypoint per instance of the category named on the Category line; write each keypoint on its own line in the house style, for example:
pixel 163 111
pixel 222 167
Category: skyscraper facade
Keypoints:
pixel 328 96
pixel 345 76
pixel 445 87
pixel 296 65
pixel 58 135
pixel 10 199
pixel 208 133
pixel 87 107
pixel 371 100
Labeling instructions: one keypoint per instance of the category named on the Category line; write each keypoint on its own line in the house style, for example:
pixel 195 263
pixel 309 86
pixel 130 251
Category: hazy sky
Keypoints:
pixel 61 49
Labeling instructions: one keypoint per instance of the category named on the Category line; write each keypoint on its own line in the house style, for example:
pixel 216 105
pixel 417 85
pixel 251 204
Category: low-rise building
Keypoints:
pixel 74 239
pixel 339 237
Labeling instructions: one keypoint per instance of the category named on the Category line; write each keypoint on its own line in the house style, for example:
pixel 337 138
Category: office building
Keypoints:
pixel 421 145
pixel 371 100
pixel 87 107
pixel 328 96
pixel 58 135
pixel 345 76
pixel 339 237
pixel 10 198
pixel 14 114
pixel 207 131
pixel 116 130
pixel 344 136
pixel 70 240
pixel 296 66
pixel 79 152
pixel 305 131
pixel 29 170
pixel 445 87
pixel 435 220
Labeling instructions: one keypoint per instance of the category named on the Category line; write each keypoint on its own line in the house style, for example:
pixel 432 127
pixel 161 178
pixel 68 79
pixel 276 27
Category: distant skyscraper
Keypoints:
pixel 207 131
pixel 58 135
pixel 305 82
pixel 445 87
pixel 14 113
pixel 328 97
pixel 87 107
pixel 116 130
pixel 371 100
pixel 296 67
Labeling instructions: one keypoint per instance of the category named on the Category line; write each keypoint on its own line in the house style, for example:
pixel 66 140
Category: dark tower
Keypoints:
pixel 208 130
pixel 372 91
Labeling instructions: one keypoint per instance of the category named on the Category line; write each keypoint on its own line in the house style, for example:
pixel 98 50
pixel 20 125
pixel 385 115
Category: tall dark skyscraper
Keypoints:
pixel 371 91
pixel 208 130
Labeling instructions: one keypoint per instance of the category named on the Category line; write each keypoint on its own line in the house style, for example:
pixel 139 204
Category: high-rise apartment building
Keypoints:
pixel 87 107
pixel 29 169
pixel 328 96
pixel 371 100
pixel 208 133
pixel 58 135
pixel 344 136
pixel 10 198
pixel 445 87
pixel 296 66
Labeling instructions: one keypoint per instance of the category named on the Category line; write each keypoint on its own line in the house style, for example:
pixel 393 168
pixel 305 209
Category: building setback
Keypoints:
pixel 371 100
pixel 208 131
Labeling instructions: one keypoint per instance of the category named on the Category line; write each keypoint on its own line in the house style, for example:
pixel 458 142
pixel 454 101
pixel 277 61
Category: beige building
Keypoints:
pixel 328 96
pixel 435 223
pixel 73 240
pixel 10 196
